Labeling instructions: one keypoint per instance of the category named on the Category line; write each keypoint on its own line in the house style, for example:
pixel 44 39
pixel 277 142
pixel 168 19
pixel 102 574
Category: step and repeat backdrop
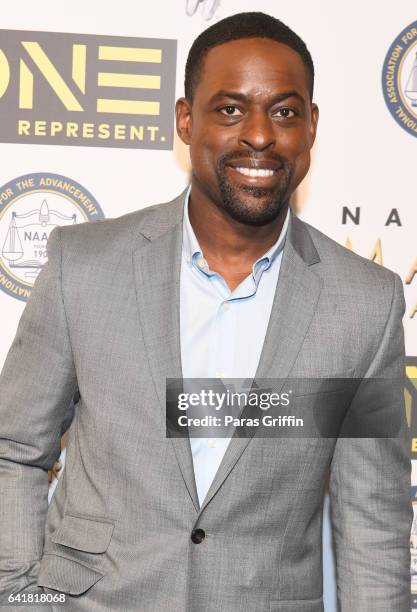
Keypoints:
pixel 87 97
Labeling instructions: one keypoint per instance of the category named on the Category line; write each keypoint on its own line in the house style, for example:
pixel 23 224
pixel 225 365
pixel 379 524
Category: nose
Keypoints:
pixel 257 131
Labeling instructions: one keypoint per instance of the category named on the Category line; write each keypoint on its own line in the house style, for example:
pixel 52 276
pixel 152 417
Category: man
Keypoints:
pixel 224 281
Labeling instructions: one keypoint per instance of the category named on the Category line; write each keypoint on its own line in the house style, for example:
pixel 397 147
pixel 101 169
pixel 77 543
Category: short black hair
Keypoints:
pixel 236 27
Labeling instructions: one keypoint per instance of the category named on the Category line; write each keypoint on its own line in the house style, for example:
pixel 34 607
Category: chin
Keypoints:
pixel 255 216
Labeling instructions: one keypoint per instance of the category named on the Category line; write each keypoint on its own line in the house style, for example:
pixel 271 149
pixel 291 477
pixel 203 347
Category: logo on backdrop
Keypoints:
pixel 399 79
pixel 209 7
pixel 410 397
pixel 30 207
pixel 89 90
pixel 390 218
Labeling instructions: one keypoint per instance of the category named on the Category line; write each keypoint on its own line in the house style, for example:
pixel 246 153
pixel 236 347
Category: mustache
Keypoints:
pixel 235 156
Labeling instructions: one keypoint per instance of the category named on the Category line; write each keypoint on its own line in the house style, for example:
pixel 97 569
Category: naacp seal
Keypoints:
pixel 399 79
pixel 30 207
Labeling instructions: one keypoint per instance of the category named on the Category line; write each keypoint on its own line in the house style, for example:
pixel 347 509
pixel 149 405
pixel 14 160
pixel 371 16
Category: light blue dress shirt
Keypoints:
pixel 222 331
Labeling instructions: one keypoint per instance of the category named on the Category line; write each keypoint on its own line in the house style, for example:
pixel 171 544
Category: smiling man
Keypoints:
pixel 224 281
pixel 250 124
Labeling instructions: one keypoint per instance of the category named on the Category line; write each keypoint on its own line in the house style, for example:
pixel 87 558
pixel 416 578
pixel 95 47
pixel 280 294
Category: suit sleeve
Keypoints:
pixel 370 499
pixel 37 384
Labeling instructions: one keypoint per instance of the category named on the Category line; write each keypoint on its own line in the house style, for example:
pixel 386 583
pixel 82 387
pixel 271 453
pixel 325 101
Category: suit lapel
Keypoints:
pixel 157 267
pixel 295 301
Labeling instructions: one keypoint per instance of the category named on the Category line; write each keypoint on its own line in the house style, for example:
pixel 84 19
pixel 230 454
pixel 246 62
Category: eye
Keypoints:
pixel 286 113
pixel 230 110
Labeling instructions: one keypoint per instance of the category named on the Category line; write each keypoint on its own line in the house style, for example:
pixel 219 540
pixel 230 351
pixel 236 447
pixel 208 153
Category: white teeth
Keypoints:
pixel 255 171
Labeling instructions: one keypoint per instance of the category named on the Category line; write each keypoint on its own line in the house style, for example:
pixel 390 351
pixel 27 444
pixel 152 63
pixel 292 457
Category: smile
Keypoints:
pixel 255 172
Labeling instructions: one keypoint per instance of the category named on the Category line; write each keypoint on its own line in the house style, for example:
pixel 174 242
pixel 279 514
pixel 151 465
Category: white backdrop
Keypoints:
pixel 362 157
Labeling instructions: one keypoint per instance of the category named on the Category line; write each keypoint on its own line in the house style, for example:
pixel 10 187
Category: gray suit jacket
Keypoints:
pixel 103 324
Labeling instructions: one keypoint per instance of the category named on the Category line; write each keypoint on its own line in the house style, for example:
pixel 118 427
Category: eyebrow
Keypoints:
pixel 235 95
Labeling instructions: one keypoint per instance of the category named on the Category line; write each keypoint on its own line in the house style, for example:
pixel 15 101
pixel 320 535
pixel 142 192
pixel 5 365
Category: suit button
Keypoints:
pixel 198 535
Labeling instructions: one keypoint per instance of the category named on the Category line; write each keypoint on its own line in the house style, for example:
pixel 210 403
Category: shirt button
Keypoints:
pixel 198 535
pixel 219 374
pixel 225 305
pixel 211 443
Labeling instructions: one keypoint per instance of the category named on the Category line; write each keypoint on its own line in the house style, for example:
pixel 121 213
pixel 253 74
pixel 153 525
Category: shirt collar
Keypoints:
pixel 193 250
pixel 190 242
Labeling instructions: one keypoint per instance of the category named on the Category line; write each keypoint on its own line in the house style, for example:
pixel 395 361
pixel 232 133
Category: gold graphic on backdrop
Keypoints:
pixel 375 254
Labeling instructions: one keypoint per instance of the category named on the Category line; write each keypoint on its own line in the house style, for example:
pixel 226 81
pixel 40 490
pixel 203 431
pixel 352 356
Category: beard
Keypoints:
pixel 271 200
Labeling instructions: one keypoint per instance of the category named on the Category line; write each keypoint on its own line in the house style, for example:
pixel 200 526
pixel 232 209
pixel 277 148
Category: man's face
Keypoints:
pixel 250 128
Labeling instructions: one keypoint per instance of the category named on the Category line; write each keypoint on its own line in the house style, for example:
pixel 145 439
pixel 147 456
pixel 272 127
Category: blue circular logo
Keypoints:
pixel 399 79
pixel 30 207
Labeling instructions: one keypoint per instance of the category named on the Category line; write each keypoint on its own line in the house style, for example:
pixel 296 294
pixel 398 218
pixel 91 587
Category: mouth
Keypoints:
pixel 254 172
pixel 262 175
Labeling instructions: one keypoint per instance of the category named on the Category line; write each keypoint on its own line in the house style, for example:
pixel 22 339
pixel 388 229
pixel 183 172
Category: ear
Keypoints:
pixel 313 122
pixel 183 120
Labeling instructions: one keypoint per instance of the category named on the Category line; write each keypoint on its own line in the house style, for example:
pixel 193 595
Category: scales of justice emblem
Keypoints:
pixel 399 79
pixel 411 88
pixel 31 206
pixel 25 245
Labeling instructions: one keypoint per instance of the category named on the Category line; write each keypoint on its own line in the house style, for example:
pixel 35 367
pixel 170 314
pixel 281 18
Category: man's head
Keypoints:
pixel 248 115
pixel 238 27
